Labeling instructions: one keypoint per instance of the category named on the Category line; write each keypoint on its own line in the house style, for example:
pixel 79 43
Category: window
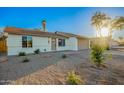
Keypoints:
pixel 26 41
pixel 61 42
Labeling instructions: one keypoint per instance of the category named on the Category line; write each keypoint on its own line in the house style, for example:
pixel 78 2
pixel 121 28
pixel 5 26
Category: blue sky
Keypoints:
pixel 67 19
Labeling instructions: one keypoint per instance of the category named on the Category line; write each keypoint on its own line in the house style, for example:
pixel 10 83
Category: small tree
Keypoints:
pixel 97 54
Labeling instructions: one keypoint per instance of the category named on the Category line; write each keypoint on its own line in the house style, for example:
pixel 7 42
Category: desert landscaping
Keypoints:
pixel 52 69
pixel 39 57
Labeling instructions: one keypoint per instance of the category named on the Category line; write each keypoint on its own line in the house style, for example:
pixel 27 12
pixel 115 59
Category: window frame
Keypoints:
pixel 61 42
pixel 27 41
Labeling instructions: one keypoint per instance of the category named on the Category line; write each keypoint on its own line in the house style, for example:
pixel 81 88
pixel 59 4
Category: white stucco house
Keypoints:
pixel 14 40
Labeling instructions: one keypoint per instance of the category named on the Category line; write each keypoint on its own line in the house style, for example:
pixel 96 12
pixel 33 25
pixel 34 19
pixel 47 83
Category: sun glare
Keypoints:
pixel 104 32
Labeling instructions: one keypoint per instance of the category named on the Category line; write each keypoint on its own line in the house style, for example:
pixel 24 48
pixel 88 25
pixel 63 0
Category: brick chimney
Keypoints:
pixel 44 25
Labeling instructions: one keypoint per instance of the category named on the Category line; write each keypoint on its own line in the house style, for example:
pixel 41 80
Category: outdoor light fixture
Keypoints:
pixel 5 34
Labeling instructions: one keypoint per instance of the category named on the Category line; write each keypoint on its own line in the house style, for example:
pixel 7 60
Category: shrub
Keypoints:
pixel 25 60
pixel 107 48
pixel 64 56
pixel 45 50
pixel 97 54
pixel 73 79
pixel 37 51
pixel 22 54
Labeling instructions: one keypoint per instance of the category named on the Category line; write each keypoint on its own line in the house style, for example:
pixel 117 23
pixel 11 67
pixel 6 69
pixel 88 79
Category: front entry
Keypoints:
pixel 53 44
pixel 3 47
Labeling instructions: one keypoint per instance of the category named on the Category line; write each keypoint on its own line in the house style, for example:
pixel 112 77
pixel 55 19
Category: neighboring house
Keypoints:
pixel 116 44
pixel 105 42
pixel 26 40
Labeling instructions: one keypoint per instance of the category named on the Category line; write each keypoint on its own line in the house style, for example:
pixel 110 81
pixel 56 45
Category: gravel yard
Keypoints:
pixel 52 69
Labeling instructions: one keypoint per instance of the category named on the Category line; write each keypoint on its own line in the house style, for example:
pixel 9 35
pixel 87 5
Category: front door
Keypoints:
pixel 53 46
pixel 3 47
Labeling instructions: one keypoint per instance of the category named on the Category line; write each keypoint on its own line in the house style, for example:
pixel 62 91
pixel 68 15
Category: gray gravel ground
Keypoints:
pixel 51 69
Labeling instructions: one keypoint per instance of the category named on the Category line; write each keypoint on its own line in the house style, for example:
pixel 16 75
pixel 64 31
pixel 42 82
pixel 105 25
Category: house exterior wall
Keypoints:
pixel 70 44
pixel 73 43
pixel 14 44
pixel 61 48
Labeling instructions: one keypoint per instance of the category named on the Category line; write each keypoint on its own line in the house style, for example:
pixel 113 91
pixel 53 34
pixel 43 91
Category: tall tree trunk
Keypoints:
pixel 110 38
pixel 100 33
pixel 99 30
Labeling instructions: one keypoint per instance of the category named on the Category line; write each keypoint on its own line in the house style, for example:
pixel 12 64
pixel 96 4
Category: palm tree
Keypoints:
pixel 99 20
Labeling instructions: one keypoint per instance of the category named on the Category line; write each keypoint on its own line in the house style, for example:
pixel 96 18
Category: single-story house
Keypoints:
pixel 14 40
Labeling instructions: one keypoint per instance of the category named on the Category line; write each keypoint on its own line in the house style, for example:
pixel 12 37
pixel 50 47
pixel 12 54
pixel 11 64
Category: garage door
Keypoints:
pixel 83 44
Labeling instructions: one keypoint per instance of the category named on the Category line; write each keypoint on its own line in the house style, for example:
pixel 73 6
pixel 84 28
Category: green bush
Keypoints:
pixel 97 54
pixel 37 51
pixel 107 48
pixel 73 79
pixel 25 60
pixel 22 54
pixel 64 56
pixel 45 50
